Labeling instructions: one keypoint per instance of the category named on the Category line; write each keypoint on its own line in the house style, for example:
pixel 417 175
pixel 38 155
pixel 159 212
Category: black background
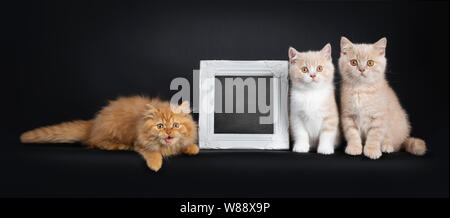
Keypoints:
pixel 65 59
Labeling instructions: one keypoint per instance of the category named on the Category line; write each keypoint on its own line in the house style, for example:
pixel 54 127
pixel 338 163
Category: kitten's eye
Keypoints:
pixel 304 69
pixel 370 63
pixel 319 68
pixel 160 126
pixel 353 62
pixel 176 125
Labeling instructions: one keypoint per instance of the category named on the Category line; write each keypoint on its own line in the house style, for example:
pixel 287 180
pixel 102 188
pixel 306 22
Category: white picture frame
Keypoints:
pixel 278 70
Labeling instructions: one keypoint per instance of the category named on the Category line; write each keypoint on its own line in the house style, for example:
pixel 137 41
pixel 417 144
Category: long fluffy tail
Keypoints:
pixel 415 146
pixel 66 132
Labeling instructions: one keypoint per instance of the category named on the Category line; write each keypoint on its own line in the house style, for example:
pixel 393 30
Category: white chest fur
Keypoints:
pixel 307 107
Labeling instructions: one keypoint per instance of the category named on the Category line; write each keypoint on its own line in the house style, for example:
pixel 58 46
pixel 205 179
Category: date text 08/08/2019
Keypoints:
pixel 227 208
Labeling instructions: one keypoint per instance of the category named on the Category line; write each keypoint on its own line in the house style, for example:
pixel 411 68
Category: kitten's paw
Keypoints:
pixel 372 151
pixel 154 164
pixel 191 149
pixel 353 149
pixel 301 148
pixel 387 148
pixel 325 149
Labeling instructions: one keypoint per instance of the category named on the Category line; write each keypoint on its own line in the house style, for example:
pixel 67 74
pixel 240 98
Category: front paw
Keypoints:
pixel 154 164
pixel 191 149
pixel 353 149
pixel 387 148
pixel 325 149
pixel 300 148
pixel 372 151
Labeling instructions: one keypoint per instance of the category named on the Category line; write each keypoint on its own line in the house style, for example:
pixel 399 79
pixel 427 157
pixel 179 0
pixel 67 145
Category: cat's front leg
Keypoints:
pixel 352 135
pixel 301 137
pixel 153 159
pixel 375 134
pixel 328 132
pixel 190 149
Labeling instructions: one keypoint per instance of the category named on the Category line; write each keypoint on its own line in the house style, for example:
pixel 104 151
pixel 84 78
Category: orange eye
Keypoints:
pixel 160 126
pixel 353 62
pixel 370 63
pixel 319 68
pixel 305 70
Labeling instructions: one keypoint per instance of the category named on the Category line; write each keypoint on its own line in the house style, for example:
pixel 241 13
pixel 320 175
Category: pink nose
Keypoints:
pixel 362 70
pixel 312 75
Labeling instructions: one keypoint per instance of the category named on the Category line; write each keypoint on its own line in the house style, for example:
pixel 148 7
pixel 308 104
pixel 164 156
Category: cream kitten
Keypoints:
pixel 371 113
pixel 314 117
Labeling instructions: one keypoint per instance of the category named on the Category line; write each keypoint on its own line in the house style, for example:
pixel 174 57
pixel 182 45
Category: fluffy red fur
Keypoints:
pixel 148 126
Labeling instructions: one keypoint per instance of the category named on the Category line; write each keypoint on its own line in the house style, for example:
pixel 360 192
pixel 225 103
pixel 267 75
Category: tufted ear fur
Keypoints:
pixel 184 108
pixel 346 45
pixel 326 51
pixel 292 55
pixel 380 46
pixel 150 111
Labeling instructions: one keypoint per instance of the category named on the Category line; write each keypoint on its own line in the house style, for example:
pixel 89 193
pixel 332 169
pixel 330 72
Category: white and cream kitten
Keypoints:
pixel 371 112
pixel 314 117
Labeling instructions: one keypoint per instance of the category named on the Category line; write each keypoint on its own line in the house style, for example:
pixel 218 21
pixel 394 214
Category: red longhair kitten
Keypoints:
pixel 150 127
pixel 314 117
pixel 371 112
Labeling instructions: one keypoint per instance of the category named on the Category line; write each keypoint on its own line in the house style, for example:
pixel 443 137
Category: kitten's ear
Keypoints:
pixel 292 55
pixel 184 108
pixel 326 51
pixel 346 45
pixel 380 46
pixel 150 111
